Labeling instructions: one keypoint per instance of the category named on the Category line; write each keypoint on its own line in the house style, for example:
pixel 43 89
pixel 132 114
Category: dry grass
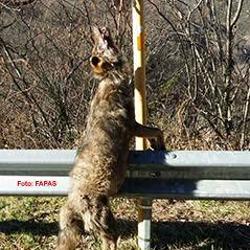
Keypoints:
pixel 30 223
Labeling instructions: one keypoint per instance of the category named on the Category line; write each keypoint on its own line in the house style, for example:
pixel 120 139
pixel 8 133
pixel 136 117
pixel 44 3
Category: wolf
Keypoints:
pixel 102 158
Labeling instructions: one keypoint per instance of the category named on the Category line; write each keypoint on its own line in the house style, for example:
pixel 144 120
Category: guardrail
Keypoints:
pixel 177 174
pixel 151 175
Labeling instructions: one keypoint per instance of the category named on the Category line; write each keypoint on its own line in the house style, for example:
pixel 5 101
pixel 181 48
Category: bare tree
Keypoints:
pixel 197 69
pixel 44 52
pixel 207 35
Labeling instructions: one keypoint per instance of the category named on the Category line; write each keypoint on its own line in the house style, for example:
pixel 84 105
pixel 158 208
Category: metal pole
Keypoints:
pixel 145 205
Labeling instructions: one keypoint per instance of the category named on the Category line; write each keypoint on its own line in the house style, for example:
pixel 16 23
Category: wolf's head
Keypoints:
pixel 105 55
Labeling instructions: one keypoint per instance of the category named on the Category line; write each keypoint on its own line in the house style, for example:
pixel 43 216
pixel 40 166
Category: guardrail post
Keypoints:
pixel 144 210
pixel 144 223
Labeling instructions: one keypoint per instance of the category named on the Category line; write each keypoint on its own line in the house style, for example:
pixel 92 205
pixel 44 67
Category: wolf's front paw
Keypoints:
pixel 156 144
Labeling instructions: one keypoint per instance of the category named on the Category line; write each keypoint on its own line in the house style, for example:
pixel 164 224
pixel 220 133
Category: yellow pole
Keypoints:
pixel 139 67
pixel 145 205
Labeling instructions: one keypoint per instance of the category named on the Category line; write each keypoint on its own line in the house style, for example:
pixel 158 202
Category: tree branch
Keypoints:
pixel 237 14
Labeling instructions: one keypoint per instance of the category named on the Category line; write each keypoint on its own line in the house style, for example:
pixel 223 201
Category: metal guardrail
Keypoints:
pixel 177 174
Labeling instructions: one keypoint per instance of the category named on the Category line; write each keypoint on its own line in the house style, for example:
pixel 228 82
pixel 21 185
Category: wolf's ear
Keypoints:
pixel 105 32
pixel 108 38
pixel 102 39
pixel 98 38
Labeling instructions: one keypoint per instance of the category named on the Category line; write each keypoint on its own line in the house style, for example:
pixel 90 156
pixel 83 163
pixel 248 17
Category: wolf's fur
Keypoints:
pixel 101 163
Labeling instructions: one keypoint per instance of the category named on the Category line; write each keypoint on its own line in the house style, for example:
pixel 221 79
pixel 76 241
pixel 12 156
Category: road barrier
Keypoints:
pixel 151 174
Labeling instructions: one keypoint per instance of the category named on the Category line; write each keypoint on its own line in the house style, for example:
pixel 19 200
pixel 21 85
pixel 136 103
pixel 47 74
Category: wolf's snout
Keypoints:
pixel 95 60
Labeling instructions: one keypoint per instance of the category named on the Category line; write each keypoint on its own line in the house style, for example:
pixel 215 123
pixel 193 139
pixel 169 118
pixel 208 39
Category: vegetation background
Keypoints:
pixel 198 92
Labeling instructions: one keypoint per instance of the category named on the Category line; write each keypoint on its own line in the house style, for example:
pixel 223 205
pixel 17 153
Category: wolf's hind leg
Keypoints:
pixel 101 220
pixel 108 229
pixel 70 229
